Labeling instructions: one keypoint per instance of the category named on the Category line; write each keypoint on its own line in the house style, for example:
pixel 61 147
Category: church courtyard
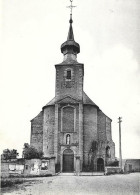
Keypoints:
pixel 79 185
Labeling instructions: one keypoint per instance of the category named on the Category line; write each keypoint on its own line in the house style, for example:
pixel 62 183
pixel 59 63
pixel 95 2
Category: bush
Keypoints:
pixel 9 154
pixel 29 152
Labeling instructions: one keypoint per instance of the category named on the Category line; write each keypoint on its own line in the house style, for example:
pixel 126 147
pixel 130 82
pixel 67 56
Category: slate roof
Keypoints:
pixel 86 100
pixel 52 102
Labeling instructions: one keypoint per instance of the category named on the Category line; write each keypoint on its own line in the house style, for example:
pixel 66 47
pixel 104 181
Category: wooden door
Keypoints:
pixel 68 161
pixel 100 164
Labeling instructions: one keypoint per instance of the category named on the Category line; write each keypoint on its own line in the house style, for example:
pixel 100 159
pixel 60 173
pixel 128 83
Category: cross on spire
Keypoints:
pixel 71 7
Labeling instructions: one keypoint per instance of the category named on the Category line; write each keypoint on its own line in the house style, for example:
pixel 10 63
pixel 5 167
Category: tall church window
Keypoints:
pixel 68 139
pixel 68 74
pixel 68 119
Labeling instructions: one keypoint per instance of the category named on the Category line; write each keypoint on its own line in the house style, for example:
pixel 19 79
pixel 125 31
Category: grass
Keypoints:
pixel 13 180
pixel 9 182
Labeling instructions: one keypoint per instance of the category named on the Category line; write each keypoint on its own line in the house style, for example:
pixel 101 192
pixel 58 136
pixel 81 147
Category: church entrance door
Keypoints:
pixel 68 161
pixel 100 164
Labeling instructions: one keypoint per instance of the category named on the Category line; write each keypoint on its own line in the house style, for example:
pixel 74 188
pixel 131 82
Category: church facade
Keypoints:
pixel 71 127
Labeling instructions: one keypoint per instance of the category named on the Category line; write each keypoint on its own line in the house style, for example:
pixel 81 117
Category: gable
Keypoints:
pixel 68 99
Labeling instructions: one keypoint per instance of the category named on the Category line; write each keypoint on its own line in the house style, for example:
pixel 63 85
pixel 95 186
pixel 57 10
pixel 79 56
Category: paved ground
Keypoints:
pixel 83 185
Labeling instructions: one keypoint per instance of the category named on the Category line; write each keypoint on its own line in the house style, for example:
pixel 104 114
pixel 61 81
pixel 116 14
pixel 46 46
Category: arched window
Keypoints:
pixel 108 154
pixel 68 139
pixel 68 76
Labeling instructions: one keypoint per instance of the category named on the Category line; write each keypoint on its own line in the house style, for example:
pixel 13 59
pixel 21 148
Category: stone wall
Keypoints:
pixel 101 126
pixel 4 169
pixel 74 86
pixel 37 132
pixel 90 129
pixel 132 165
pixel 48 130
pixel 112 149
pixel 32 167
pixel 12 167
pixel 112 170
pixel 108 129
pixel 40 167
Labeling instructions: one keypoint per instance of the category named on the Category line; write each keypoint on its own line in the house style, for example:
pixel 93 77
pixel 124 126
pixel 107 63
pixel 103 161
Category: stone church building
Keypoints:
pixel 71 127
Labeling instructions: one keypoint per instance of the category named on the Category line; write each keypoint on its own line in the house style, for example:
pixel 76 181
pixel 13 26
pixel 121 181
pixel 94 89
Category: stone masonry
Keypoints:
pixel 71 127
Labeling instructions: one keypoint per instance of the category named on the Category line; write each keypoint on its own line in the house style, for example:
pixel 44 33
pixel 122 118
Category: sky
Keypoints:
pixel 32 32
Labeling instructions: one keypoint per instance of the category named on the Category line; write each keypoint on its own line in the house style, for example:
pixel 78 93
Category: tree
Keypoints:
pixel 29 152
pixel 9 154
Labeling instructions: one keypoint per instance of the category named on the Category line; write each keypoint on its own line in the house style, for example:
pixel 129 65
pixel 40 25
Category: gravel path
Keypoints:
pixel 83 185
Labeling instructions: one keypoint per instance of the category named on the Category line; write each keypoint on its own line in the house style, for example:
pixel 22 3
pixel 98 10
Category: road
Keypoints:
pixel 128 184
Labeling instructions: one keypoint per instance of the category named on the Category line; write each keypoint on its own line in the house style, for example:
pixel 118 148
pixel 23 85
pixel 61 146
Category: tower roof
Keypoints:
pixel 70 46
pixel 70 33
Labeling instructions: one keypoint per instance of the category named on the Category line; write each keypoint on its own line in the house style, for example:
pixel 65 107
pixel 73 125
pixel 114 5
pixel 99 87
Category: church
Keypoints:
pixel 71 127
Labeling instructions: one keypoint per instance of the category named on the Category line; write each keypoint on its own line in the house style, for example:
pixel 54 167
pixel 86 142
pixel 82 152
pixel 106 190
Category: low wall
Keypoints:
pixel 132 165
pixel 32 167
pixel 112 170
pixel 4 170
pixel 40 167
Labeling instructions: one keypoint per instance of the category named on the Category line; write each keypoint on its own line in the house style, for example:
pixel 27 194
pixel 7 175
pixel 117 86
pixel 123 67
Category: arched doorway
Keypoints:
pixel 68 160
pixel 100 164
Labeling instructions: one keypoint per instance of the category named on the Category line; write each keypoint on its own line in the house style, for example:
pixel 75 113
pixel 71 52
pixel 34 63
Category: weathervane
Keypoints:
pixel 71 7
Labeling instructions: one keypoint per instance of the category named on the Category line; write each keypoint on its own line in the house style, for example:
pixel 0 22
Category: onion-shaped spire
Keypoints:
pixel 70 46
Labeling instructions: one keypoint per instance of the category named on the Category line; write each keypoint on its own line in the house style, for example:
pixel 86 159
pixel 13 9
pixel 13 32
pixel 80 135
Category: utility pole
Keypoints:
pixel 120 148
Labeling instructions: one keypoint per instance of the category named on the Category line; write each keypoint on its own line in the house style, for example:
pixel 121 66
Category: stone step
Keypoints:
pixel 82 174
pixel 91 173
pixel 66 174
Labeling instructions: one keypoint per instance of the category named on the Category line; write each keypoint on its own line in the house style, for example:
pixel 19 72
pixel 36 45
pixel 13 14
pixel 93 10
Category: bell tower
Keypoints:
pixel 68 133
pixel 69 73
pixel 71 128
